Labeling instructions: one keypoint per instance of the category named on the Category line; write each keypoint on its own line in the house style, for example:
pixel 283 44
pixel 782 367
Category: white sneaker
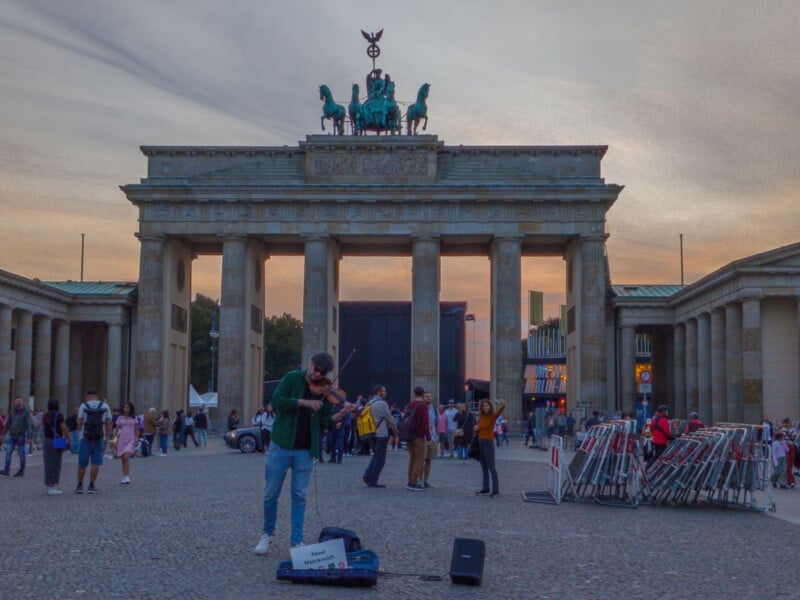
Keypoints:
pixel 51 491
pixel 125 480
pixel 264 544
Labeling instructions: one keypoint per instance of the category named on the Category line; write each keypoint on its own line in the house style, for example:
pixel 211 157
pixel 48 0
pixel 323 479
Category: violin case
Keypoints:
pixel 361 572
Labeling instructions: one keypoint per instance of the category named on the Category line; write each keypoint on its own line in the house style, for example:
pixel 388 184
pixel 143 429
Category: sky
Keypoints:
pixel 698 101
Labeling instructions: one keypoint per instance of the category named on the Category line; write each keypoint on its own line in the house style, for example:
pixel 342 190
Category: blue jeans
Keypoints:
pixel 280 460
pixel 463 451
pixel 21 446
pixel 487 465
pixel 163 439
pixel 373 472
pixel 75 438
pixel 202 436
pixel 336 444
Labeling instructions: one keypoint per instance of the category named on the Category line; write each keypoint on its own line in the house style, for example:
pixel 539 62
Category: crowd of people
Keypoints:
pixel 91 431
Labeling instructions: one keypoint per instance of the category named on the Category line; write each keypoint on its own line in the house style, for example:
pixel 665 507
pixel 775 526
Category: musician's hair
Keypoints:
pixel 323 360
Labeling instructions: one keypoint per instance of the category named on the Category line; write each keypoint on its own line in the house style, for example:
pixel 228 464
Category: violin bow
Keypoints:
pixel 347 360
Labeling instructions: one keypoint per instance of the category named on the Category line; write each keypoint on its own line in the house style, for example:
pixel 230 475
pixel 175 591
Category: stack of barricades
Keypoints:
pixel 726 464
pixel 606 467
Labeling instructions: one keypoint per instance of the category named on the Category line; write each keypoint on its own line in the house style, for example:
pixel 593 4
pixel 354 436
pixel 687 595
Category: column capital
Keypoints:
pixel 150 237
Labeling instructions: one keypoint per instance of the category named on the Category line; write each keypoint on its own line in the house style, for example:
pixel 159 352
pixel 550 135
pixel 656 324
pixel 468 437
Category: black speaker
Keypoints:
pixel 467 563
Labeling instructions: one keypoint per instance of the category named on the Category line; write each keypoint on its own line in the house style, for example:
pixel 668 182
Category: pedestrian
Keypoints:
pixel 94 423
pixel 594 420
pixel 177 431
pixel 149 427
pixel 465 421
pixel 394 439
pixel 188 430
pixel 74 434
pixel 55 426
pixel 441 432
pixel 789 437
pixel 570 425
pixel 432 443
pixel 693 424
pixel 384 422
pixel 561 424
pixel 164 424
pixel 450 413
pixel 126 431
pixel 661 430
pixel 779 452
pixel 530 429
pixel 201 426
pixel 18 431
pixel 302 410
pixel 487 419
pixel 647 441
pixel 233 420
pixel 420 435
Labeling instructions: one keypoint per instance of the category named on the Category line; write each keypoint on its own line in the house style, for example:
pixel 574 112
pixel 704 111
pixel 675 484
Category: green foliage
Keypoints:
pixel 201 313
pixel 283 345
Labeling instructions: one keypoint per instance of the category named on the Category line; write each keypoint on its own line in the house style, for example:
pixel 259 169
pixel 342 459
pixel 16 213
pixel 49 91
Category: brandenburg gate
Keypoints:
pixel 335 196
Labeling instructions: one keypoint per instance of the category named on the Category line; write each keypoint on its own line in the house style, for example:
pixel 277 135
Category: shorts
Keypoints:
pixel 91 449
pixel 443 438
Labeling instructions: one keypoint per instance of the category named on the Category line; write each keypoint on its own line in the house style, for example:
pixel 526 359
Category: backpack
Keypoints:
pixel 405 427
pixel 93 428
pixel 366 424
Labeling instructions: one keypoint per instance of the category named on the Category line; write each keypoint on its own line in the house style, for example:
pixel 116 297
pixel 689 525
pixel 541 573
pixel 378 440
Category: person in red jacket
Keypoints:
pixel 661 430
pixel 694 423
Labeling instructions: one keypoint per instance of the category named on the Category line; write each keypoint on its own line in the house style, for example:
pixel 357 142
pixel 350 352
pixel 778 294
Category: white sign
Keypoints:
pixel 645 388
pixel 327 555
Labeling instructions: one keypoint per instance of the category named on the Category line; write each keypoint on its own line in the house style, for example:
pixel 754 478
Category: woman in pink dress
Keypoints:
pixel 126 430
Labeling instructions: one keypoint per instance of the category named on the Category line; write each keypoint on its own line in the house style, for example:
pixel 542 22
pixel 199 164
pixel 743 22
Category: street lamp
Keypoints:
pixel 214 335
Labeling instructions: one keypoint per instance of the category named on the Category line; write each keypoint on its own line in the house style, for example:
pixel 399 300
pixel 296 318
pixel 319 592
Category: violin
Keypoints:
pixel 327 390
pixel 325 387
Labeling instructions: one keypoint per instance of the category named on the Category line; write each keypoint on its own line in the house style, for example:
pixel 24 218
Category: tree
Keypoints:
pixel 283 345
pixel 202 310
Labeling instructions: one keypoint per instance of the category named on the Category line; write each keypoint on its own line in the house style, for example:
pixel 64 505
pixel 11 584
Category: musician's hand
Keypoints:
pixel 348 407
pixel 312 404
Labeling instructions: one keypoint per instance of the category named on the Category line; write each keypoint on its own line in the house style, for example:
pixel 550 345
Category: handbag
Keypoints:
pixel 474 449
pixel 59 443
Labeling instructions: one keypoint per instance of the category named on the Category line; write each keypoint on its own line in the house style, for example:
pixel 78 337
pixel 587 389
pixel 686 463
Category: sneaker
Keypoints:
pixel 125 481
pixel 4 472
pixel 414 488
pixel 376 485
pixel 264 544
pixel 91 489
pixel 19 473
pixel 79 488
pixel 493 494
pixel 482 493
pixel 51 491
pixel 426 485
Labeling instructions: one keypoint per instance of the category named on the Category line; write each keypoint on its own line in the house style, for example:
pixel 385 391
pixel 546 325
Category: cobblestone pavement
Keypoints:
pixel 187 525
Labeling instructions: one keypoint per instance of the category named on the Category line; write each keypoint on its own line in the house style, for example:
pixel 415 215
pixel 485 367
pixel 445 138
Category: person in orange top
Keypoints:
pixel 485 430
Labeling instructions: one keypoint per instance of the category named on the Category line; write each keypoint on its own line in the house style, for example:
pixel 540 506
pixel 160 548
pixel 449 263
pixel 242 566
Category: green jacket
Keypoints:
pixel 284 401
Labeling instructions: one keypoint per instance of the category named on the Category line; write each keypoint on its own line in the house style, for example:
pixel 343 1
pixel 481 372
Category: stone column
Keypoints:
pixel 752 376
pixel 592 321
pixel 44 342
pixel 506 367
pixel 24 343
pixel 76 387
pixel 425 284
pixel 114 365
pixel 734 392
pixel 719 406
pixel 627 371
pixel 232 326
pixel 6 365
pixel 679 372
pixel 61 371
pixel 150 323
pixel 704 367
pixel 691 366
pixel 320 297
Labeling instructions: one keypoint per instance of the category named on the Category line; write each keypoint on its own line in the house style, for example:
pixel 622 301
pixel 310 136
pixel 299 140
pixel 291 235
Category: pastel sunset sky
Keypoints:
pixel 698 101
